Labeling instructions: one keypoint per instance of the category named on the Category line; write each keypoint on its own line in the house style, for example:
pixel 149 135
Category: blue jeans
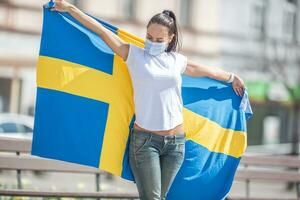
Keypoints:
pixel 155 160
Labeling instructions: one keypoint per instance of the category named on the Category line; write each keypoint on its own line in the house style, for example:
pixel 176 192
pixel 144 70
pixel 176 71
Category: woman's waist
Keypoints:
pixel 177 130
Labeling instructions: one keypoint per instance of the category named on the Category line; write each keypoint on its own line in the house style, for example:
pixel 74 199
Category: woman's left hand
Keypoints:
pixel 238 85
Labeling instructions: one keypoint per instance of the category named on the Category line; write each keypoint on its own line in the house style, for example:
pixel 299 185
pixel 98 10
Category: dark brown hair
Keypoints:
pixel 167 18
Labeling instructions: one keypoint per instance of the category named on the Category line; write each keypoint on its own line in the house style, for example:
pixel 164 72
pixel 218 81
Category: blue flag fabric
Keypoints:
pixel 85 110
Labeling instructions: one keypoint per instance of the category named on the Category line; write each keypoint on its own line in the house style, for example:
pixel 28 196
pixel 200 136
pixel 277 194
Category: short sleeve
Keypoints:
pixel 182 60
pixel 132 56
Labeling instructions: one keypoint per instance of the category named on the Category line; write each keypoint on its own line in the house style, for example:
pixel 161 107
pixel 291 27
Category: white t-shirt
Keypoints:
pixel 157 88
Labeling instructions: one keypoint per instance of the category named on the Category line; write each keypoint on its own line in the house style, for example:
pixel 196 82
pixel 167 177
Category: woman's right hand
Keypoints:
pixel 116 43
pixel 61 6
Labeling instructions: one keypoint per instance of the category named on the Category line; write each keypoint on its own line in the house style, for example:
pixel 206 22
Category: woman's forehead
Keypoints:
pixel 157 30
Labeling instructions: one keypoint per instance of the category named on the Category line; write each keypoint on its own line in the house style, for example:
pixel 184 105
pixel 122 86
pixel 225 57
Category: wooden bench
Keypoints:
pixel 21 162
pixel 268 168
pixel 278 170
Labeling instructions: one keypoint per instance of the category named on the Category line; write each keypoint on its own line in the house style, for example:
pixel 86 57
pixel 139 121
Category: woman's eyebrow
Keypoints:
pixel 151 36
pixel 157 38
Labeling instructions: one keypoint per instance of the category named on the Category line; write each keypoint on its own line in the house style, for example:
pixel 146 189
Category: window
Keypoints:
pixel 288 21
pixel 292 1
pixel 257 18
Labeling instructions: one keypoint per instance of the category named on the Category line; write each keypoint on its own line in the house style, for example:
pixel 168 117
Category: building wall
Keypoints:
pixel 248 43
pixel 224 33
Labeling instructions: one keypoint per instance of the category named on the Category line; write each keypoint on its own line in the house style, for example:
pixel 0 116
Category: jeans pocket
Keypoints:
pixel 181 147
pixel 139 142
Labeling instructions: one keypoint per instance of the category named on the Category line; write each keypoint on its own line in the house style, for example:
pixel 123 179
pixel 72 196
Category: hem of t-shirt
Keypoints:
pixel 160 129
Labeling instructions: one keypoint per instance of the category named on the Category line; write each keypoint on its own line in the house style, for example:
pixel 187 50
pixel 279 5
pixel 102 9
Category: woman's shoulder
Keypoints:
pixel 177 55
pixel 135 53
pixel 181 60
pixel 136 47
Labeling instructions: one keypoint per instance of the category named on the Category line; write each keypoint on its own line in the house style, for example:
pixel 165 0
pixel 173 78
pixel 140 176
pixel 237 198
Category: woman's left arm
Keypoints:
pixel 197 70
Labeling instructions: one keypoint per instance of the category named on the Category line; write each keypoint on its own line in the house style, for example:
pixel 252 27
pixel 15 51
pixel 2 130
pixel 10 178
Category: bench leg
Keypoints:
pixel 19 180
pixel 298 189
pixel 98 183
pixel 247 188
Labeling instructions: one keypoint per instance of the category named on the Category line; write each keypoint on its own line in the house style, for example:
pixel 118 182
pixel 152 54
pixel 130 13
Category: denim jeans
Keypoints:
pixel 155 160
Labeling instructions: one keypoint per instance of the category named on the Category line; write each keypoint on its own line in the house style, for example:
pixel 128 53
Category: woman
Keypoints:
pixel 157 139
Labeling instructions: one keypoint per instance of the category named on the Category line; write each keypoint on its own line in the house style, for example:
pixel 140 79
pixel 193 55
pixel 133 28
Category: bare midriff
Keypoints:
pixel 176 130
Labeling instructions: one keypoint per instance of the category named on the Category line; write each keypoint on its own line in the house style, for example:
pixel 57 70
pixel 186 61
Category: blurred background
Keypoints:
pixel 256 39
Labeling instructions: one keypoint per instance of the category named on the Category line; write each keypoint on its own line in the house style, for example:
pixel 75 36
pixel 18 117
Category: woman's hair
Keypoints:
pixel 167 18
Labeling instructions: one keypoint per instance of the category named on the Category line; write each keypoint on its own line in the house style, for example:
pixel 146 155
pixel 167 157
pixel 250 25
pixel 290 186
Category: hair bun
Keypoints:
pixel 170 14
pixel 167 12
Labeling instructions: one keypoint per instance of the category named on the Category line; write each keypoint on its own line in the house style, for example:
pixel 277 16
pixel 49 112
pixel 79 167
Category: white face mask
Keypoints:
pixel 155 48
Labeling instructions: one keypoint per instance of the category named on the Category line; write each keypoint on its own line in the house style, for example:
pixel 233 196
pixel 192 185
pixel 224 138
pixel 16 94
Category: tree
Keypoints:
pixel 278 55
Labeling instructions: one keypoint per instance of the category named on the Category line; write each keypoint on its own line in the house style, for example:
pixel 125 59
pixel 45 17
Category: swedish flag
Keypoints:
pixel 85 110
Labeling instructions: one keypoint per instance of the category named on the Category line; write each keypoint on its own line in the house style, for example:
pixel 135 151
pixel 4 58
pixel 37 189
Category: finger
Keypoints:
pixel 235 90
pixel 238 91
pixel 241 91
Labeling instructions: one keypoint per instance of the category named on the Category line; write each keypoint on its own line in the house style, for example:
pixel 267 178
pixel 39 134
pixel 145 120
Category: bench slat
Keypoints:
pixel 15 144
pixel 292 176
pixel 22 162
pixel 252 198
pixel 284 161
pixel 36 163
pixel 24 145
pixel 33 193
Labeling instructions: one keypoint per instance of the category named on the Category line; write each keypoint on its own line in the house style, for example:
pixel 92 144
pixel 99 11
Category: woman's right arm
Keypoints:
pixel 119 46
